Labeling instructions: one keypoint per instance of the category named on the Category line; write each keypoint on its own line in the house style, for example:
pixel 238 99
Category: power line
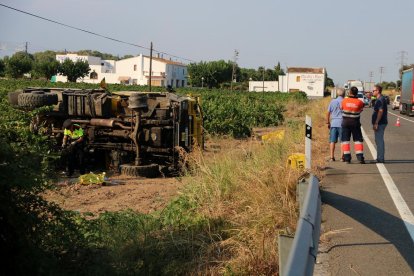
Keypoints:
pixel 92 33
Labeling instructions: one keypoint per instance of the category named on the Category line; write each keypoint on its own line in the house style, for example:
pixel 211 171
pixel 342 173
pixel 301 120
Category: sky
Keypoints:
pixel 349 38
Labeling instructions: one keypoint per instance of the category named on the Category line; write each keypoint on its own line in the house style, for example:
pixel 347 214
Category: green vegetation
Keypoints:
pixel 225 221
pixel 218 74
pixel 226 112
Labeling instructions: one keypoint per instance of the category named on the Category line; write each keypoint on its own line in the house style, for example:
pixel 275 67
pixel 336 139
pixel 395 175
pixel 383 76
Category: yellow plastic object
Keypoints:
pixel 274 135
pixel 296 161
pixel 91 178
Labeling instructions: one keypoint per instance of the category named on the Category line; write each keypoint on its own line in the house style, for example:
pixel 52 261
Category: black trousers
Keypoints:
pixel 352 127
pixel 76 158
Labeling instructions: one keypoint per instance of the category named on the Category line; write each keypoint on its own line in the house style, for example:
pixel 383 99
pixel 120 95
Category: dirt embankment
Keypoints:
pixel 142 195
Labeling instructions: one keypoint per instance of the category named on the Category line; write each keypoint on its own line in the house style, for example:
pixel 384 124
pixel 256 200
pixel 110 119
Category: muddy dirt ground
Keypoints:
pixel 118 193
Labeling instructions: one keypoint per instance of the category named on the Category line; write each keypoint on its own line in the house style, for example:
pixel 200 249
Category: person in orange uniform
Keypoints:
pixel 351 125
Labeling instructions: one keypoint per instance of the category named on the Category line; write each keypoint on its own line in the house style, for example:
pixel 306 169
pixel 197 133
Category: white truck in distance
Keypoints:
pixel 358 84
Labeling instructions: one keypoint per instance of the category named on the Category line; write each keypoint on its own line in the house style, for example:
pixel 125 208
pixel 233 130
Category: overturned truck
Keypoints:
pixel 135 133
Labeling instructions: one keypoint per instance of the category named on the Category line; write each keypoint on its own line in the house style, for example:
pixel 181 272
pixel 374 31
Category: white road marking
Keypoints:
pixel 400 117
pixel 402 207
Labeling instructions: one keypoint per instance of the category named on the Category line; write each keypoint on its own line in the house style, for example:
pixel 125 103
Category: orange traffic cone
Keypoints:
pixel 398 122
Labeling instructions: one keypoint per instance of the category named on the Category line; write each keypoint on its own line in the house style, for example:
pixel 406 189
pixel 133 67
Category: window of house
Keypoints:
pixel 93 76
pixel 182 83
pixel 177 83
pixel 134 81
pixel 135 67
pixel 297 78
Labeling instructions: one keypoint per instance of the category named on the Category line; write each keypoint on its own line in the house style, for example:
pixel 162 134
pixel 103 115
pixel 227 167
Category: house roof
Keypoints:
pixel 306 70
pixel 167 61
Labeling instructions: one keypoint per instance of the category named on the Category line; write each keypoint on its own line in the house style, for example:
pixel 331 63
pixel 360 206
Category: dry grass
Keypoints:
pixel 248 184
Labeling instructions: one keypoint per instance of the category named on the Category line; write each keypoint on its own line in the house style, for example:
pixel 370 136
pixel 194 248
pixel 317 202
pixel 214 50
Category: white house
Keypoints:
pixel 263 86
pixel 133 70
pixel 309 80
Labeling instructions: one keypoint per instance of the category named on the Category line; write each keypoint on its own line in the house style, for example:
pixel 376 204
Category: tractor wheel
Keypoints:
pixel 150 171
pixel 13 97
pixel 34 100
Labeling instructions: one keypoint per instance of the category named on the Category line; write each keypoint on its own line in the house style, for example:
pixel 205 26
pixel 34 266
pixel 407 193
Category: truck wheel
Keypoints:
pixel 150 171
pixel 13 97
pixel 34 100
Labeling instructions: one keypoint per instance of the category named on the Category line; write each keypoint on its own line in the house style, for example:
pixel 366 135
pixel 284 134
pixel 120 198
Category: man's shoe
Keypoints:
pixel 332 159
pixel 362 162
pixel 379 161
pixel 348 162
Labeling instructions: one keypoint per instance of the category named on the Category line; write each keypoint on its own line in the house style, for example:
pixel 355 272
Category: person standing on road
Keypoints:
pixel 351 125
pixel 334 121
pixel 73 145
pixel 379 122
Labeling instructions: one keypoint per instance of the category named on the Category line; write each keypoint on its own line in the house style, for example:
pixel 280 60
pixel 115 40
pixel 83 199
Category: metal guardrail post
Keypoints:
pixel 302 255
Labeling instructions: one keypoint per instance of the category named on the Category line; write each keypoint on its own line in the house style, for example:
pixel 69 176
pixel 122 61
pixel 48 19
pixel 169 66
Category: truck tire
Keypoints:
pixel 13 97
pixel 149 171
pixel 34 100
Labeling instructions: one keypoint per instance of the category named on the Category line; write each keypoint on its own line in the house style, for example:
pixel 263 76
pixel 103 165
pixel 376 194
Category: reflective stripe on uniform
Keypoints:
pixel 352 107
pixel 346 147
pixel 359 147
pixel 76 134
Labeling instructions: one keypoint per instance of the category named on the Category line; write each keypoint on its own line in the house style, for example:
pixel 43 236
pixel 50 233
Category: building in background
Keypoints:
pixel 309 80
pixel 133 70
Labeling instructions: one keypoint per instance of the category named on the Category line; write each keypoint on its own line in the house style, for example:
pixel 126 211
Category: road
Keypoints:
pixel 368 222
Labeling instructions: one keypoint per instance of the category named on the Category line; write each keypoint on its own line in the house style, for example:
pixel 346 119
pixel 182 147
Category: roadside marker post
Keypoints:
pixel 308 139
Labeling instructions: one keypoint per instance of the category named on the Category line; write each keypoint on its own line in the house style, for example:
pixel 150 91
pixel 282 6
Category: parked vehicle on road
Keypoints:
pixel 396 102
pixel 407 93
pixel 363 98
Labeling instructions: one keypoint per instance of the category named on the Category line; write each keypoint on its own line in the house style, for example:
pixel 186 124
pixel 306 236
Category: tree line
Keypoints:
pixel 44 65
pixel 212 74
pixel 220 74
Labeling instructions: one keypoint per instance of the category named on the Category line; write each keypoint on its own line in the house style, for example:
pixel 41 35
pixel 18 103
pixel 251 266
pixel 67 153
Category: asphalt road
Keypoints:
pixel 368 222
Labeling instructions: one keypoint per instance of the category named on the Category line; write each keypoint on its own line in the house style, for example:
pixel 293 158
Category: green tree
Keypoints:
pixel 45 64
pixel 328 81
pixel 279 71
pixel 74 70
pixel 2 67
pixel 127 56
pixel 95 53
pixel 210 74
pixel 19 64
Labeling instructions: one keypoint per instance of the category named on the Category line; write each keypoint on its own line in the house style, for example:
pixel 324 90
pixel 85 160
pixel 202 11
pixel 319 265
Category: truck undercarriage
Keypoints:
pixel 137 133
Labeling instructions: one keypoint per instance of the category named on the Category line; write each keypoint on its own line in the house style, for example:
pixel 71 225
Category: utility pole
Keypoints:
pixel 403 53
pixel 26 46
pixel 236 54
pixel 381 71
pixel 263 78
pixel 150 68
pixel 371 74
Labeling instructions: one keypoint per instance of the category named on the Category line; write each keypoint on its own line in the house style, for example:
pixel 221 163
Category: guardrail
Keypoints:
pixel 297 256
